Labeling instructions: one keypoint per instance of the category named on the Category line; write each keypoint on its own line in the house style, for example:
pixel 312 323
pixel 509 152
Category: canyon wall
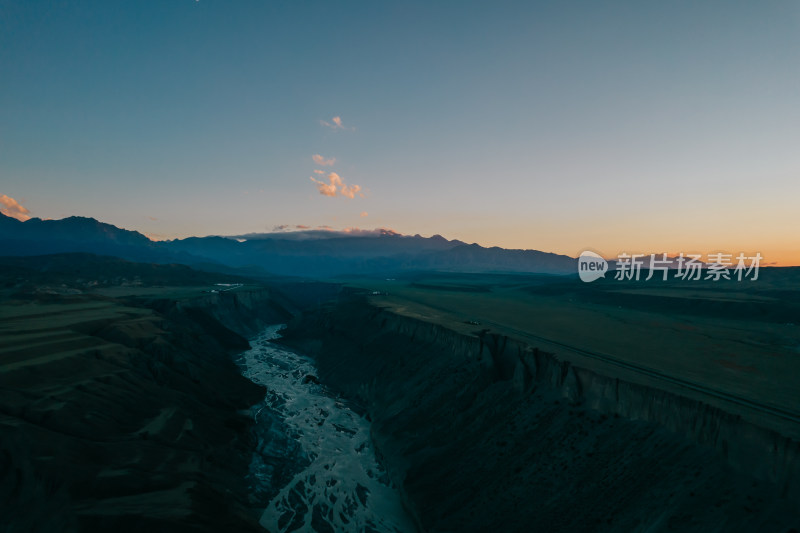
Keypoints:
pixel 484 433
pixel 143 426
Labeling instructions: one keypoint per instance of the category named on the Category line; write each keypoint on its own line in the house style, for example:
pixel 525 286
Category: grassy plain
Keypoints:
pixel 713 340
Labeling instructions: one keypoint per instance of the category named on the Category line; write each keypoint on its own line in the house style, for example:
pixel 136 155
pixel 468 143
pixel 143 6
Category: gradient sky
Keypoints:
pixel 559 126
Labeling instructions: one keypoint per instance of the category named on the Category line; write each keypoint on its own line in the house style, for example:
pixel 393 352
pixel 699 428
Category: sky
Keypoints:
pixel 637 126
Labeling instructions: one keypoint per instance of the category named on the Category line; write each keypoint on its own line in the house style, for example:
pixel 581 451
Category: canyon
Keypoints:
pixel 484 432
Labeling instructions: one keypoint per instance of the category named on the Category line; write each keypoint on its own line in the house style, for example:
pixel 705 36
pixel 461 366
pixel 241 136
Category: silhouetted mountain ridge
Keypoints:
pixel 314 253
pixel 75 229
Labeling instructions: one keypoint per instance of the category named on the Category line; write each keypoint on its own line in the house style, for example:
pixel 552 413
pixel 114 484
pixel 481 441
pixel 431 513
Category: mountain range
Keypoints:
pixel 313 253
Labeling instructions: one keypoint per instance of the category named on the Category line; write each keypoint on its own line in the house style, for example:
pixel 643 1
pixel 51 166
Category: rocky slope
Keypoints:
pixel 488 434
pixel 127 415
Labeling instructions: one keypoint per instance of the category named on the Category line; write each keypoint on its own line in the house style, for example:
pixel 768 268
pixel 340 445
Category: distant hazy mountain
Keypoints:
pixel 475 258
pixel 302 253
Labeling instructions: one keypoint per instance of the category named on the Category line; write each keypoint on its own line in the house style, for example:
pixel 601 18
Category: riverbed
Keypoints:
pixel 315 466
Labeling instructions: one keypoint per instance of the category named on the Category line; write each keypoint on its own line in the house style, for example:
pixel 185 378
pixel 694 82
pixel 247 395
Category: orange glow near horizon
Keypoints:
pixel 771 255
pixel 572 241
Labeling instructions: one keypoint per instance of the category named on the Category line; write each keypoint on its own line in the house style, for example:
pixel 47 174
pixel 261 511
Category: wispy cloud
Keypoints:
pixel 328 189
pixel 317 171
pixel 335 124
pixel 290 227
pixel 321 161
pixel 335 185
pixel 368 232
pixel 14 209
pixel 364 214
pixel 299 232
pixel 350 191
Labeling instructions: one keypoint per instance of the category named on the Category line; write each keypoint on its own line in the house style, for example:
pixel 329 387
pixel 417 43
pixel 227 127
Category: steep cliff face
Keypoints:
pixel 487 433
pixel 245 312
pixel 128 415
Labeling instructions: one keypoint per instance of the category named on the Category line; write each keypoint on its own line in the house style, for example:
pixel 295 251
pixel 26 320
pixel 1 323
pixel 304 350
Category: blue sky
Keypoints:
pixel 638 126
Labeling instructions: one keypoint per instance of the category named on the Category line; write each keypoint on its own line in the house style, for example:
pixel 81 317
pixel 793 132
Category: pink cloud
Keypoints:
pixel 335 124
pixel 14 209
pixel 335 185
pixel 364 214
pixel 328 189
pixel 321 161
pixel 350 191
